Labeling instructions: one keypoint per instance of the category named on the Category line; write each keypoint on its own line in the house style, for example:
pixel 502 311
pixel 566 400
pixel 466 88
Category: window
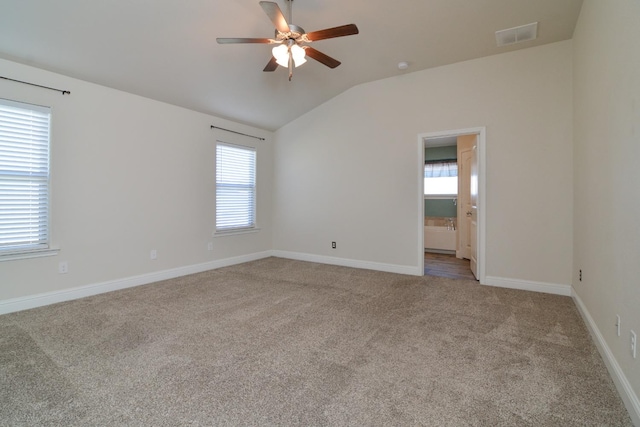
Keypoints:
pixel 24 178
pixel 441 178
pixel 235 188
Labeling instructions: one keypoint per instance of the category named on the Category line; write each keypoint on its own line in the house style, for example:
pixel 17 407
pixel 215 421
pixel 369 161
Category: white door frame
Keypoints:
pixel 481 231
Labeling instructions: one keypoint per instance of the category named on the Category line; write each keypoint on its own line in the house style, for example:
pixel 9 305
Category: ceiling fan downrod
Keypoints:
pixel 289 6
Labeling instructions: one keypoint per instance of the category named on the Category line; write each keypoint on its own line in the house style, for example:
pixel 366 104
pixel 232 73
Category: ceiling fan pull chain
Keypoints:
pixel 290 65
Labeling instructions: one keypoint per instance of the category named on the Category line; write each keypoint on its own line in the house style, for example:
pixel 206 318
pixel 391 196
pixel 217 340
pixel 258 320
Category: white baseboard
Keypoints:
pixel 346 262
pixel 526 285
pixel 39 300
pixel 629 397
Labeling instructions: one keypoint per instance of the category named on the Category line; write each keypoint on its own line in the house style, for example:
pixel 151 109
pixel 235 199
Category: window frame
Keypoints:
pixel 42 245
pixel 439 195
pixel 252 215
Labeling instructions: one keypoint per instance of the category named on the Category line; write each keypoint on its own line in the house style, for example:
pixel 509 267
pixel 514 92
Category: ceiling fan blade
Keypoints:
pixel 321 57
pixel 272 65
pixel 229 40
pixel 275 14
pixel 329 33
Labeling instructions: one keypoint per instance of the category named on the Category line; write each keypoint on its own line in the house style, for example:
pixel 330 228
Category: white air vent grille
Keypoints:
pixel 519 34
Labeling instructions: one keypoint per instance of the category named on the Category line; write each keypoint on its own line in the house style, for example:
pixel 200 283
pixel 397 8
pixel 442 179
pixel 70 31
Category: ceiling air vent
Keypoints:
pixel 519 34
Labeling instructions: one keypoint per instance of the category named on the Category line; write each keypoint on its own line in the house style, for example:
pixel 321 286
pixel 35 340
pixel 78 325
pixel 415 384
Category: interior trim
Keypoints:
pixel 527 285
pixel 347 262
pixel 39 300
pixel 630 399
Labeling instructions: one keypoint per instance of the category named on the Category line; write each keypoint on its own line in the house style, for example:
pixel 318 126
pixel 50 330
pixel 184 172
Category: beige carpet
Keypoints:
pixel 281 342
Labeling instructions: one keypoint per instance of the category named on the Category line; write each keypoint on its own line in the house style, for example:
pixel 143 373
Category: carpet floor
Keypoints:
pixel 282 342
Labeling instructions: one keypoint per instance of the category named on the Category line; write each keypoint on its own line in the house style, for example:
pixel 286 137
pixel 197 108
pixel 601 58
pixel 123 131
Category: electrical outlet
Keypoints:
pixel 618 325
pixel 580 278
pixel 210 246
pixel 634 344
pixel 63 267
pixel 153 254
pixel 333 245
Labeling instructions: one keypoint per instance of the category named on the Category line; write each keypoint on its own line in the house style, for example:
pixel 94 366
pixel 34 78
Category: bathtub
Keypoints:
pixel 439 238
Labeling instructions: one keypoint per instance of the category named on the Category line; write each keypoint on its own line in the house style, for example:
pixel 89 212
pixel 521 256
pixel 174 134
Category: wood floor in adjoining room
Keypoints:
pixel 447 265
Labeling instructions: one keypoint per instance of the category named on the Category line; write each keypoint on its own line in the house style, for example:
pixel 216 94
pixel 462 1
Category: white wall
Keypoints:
pixel 347 171
pixel 129 174
pixel 607 176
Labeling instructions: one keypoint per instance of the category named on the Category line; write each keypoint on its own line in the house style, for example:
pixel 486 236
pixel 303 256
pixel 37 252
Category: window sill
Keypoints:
pixel 11 256
pixel 235 232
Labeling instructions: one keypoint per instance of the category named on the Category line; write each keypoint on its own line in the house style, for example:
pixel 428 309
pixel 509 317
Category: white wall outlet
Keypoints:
pixel 153 254
pixel 634 344
pixel 210 246
pixel 618 324
pixel 63 267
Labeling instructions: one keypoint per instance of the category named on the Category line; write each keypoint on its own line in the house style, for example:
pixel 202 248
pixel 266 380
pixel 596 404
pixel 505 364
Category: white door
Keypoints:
pixel 473 231
pixel 464 203
pixel 465 159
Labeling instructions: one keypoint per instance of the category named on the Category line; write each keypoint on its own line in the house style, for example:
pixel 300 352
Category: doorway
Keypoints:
pixel 468 214
pixel 447 265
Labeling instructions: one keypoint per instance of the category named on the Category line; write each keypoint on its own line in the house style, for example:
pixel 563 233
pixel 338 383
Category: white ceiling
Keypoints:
pixel 167 50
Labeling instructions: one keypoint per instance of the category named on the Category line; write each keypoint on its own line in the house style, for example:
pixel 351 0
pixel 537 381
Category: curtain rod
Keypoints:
pixel 429 162
pixel 64 92
pixel 239 133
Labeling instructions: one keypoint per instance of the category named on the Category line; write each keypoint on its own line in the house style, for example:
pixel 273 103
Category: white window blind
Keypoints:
pixel 24 177
pixel 235 187
pixel 441 178
pixel 441 169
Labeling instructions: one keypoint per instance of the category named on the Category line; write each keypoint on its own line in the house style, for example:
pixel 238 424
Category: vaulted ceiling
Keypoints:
pixel 166 49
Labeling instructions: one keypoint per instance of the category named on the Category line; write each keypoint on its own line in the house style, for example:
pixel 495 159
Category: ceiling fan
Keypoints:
pixel 291 39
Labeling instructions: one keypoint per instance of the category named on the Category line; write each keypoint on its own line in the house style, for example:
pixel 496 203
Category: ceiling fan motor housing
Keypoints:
pixel 294 34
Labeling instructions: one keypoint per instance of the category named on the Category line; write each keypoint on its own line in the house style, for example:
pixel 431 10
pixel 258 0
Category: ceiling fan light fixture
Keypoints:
pixel 281 53
pixel 299 62
pixel 298 54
